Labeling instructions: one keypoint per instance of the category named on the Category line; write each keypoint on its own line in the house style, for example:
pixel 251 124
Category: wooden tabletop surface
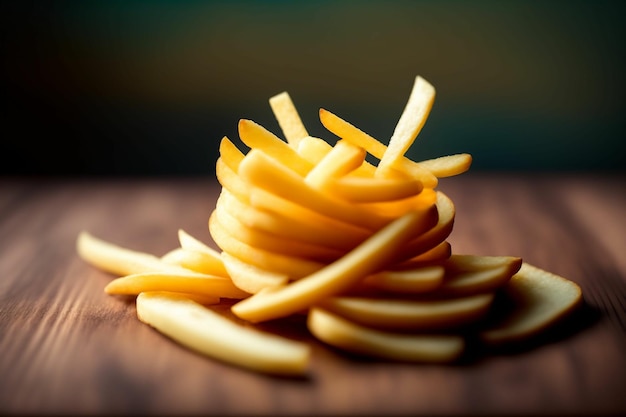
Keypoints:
pixel 68 348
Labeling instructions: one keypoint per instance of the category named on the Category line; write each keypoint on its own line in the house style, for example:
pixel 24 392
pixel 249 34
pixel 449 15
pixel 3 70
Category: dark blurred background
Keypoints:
pixel 143 88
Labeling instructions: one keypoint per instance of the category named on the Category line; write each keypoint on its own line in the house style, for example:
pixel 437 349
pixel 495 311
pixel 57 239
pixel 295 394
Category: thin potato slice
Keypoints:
pixel 195 261
pixel 370 257
pixel 434 256
pixel 273 243
pixel 295 268
pixel 371 190
pixel 410 124
pixel 351 337
pixel 190 282
pixel 342 159
pixel 473 274
pixel 218 337
pixel 350 133
pixel 257 137
pixel 261 171
pixel 410 315
pixel 282 218
pixel 288 118
pixel 448 166
pixel 119 260
pixel 250 278
pixel 539 298
pixel 409 281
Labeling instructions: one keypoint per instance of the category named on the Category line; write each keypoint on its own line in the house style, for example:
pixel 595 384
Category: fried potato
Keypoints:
pixel 363 340
pixel 288 118
pixel 211 334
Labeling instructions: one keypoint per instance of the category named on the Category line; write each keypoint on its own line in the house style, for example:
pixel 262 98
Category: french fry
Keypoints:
pixel 250 278
pixel 195 261
pixel 448 166
pixel 372 190
pixel 410 124
pixel 190 282
pixel 370 257
pixel 342 159
pixel 118 260
pixel 410 315
pixel 408 281
pixel 230 154
pixel 211 334
pixel 351 337
pixel 257 137
pixel 288 118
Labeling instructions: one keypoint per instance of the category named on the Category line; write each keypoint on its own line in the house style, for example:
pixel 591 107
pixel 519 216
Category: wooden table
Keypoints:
pixel 68 348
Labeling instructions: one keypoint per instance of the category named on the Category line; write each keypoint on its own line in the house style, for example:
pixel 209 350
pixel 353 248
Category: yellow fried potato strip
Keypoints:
pixel 288 118
pixel 410 315
pixel 250 278
pixel 351 337
pixel 209 333
pixel 189 282
pixel 410 124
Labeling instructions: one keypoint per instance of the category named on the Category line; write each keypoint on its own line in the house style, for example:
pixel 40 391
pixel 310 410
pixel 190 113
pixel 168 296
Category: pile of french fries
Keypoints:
pixel 361 249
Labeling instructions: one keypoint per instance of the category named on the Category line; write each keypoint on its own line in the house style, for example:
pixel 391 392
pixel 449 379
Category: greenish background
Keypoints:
pixel 143 88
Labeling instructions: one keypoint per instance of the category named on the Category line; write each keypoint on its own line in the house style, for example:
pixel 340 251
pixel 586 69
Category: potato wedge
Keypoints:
pixel 214 335
pixel 540 299
pixel 351 337
pixel 119 260
pixel 370 257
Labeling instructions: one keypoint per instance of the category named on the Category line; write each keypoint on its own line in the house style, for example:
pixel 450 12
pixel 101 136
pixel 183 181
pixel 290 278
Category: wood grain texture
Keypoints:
pixel 68 348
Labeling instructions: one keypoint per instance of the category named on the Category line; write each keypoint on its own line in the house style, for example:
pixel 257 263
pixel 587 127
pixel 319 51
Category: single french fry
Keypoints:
pixel 196 261
pixel 191 243
pixel 411 121
pixel 539 299
pixel 229 180
pixel 373 190
pixel 119 260
pixel 396 208
pixel 230 154
pixel 342 159
pixel 288 118
pixel 257 137
pixel 293 267
pixel 250 278
pixel 218 337
pixel 448 166
pixel 350 133
pixel 410 315
pixel 351 337
pixel 370 257
pixel 408 281
pixel 313 149
pixel 190 282
pixel 434 256
pixel 205 300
